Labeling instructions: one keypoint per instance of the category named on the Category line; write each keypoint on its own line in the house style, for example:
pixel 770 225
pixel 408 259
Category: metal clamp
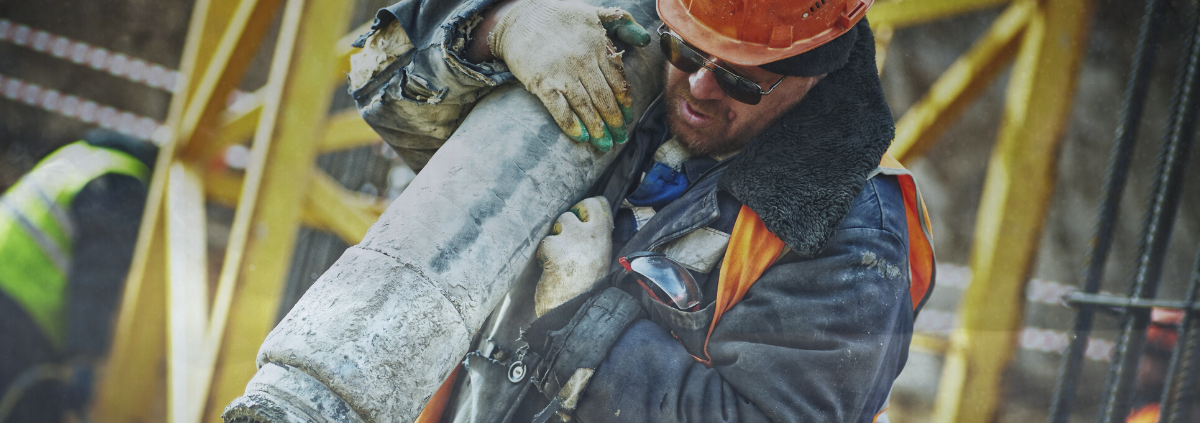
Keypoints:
pixel 516 371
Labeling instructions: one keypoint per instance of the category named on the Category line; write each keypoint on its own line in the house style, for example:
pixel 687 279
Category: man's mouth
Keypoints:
pixel 692 116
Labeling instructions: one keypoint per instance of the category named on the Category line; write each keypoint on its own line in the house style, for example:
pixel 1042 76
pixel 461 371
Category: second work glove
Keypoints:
pixel 575 254
pixel 560 52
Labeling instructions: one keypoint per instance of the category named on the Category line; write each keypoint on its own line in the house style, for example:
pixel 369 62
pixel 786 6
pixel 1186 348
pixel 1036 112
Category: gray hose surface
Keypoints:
pixel 378 333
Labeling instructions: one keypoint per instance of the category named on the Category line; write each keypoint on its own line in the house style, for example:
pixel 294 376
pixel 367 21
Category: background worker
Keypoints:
pixel 67 232
pixel 1152 377
pixel 784 130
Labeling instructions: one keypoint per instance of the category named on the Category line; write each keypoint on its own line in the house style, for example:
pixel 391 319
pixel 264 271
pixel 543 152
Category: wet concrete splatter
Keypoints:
pixel 885 268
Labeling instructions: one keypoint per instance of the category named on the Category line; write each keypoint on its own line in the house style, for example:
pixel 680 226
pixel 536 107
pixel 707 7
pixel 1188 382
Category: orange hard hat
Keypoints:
pixel 757 32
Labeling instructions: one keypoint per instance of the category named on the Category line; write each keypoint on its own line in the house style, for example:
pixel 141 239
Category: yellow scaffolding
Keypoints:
pixel 1047 38
pixel 209 344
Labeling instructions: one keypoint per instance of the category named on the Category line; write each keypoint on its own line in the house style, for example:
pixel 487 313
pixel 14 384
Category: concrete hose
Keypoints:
pixel 377 334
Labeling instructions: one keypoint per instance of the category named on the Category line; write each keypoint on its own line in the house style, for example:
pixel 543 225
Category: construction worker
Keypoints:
pixel 67 231
pixel 1161 336
pixel 752 255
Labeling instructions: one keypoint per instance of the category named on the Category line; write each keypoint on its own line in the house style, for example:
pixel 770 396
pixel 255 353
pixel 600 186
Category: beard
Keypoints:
pixel 714 139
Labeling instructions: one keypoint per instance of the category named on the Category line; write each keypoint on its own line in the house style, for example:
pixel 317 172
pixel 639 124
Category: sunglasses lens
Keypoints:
pixel 674 50
pixel 687 60
pixel 735 90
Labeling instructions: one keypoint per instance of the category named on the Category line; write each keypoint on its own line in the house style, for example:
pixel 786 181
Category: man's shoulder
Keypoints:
pixel 879 206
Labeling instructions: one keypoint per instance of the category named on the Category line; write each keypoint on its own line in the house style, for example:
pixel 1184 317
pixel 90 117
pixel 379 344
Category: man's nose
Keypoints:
pixel 704 85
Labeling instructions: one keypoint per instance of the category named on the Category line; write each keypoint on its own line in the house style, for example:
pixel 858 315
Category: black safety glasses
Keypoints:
pixel 664 279
pixel 689 60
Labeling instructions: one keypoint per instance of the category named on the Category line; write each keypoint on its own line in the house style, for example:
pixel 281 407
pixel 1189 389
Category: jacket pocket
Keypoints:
pixel 689 327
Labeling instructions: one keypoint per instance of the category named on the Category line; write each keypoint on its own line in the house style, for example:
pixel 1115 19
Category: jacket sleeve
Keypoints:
pixel 107 213
pixel 820 339
pixel 417 99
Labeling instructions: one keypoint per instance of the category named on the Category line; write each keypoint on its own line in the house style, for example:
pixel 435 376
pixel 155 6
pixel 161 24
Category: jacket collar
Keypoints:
pixel 803 172
pixel 696 208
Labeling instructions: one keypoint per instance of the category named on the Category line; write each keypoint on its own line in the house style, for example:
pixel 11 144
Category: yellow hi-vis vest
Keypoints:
pixel 37 233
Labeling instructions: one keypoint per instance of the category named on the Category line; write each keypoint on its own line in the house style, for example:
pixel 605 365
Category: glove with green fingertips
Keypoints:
pixel 578 75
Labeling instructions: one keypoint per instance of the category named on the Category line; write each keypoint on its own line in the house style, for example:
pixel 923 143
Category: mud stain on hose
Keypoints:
pixel 503 187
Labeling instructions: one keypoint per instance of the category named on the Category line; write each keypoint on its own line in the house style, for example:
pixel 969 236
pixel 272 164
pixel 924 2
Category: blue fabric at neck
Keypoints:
pixel 661 186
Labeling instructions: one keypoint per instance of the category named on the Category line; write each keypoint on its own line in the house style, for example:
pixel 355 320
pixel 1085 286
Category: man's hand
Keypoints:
pixel 575 254
pixel 561 52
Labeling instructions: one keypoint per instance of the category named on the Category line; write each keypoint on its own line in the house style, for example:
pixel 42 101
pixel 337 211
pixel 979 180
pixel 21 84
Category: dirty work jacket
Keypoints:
pixel 819 337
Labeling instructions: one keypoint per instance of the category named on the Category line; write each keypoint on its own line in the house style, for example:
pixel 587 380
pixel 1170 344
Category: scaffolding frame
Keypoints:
pixel 209 346
pixel 1044 41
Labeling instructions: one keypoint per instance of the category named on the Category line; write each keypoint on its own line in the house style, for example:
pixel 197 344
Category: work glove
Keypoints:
pixel 575 254
pixel 560 52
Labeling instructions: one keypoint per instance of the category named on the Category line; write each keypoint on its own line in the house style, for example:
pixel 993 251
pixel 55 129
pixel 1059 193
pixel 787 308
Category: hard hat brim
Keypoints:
pixel 675 14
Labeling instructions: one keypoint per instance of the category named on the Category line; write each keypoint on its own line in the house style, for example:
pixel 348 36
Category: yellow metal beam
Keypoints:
pixel 223 36
pixel 328 206
pixel 135 358
pixel 345 213
pixel 904 13
pixel 342 51
pixel 959 86
pixel 883 40
pixel 187 291
pixel 237 125
pixel 223 188
pixel 347 130
pixel 247 28
pixel 1016 194
pixel 134 365
pixel 928 344
pixel 343 131
pixel 264 228
pixel 210 19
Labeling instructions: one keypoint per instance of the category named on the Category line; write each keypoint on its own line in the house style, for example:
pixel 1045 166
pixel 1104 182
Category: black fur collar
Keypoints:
pixel 802 173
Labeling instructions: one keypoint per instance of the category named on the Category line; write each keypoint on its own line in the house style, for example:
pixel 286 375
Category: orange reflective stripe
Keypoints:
pixel 920 246
pixel 437 404
pixel 880 413
pixel 920 251
pixel 752 248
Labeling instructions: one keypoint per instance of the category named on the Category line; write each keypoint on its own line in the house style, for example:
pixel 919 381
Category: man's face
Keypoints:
pixel 708 121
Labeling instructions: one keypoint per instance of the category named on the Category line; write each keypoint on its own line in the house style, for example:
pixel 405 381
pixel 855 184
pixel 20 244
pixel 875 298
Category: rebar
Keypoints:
pixel 1156 232
pixel 1114 186
pixel 1181 374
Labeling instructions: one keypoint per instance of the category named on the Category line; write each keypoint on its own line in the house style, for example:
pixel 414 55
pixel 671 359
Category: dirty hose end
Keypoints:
pixel 279 393
pixel 254 408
